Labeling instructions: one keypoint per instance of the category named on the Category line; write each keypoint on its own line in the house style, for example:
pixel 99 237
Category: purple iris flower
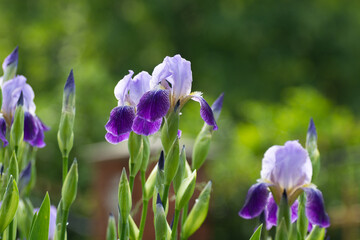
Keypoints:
pixel 52 222
pixel 174 74
pixel 33 127
pixel 287 168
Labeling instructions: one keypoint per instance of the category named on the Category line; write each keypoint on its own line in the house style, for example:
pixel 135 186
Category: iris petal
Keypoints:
pixel 38 140
pixel 256 200
pixel 31 128
pixel 271 212
pixel 315 209
pixel 116 139
pixel 205 111
pixel 143 127
pixel 3 132
pixel 154 105
pixel 120 121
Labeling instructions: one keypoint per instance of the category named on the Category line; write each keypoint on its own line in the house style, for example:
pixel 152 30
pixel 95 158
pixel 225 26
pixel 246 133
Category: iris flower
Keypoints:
pixel 11 90
pixel 285 168
pixel 144 100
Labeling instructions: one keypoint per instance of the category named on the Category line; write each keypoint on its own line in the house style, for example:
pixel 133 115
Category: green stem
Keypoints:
pixel 143 218
pixel 184 214
pixel 11 230
pixel 123 231
pixel 165 195
pixel 65 167
pixel 63 224
pixel 174 227
pixel 131 182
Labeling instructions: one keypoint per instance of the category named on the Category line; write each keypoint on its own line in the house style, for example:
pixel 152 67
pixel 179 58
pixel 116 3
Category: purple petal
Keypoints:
pixel 70 83
pixel 179 133
pixel 256 200
pixel 217 106
pixel 3 132
pixel 25 176
pixel 315 209
pixel 116 139
pixel 38 140
pixel 120 121
pixel 154 105
pixel 143 127
pixel 311 133
pixel 12 58
pixel 294 211
pixel 31 128
pixel 52 222
pixel 205 111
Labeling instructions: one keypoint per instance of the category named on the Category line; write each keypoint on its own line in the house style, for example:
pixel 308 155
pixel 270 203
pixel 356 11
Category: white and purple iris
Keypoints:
pixel 285 168
pixel 143 100
pixel 11 91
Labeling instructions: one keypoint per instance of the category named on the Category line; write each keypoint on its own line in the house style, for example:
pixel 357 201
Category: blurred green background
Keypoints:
pixel 278 62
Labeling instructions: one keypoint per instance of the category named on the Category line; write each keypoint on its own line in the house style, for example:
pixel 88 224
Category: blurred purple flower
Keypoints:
pixel 52 222
pixel 287 168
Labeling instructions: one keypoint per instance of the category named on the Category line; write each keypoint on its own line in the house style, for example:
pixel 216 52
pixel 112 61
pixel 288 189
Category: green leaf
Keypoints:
pixel 133 229
pixel 171 162
pixel 185 192
pixel 9 204
pixel 40 226
pixel 317 233
pixel 13 167
pixel 257 234
pixel 24 215
pixel 281 231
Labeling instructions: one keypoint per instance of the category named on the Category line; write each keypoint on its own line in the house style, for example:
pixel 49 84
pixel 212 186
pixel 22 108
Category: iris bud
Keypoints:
pixel 198 213
pixel 146 153
pixel 185 191
pixel 159 183
pixel 10 65
pixel 311 147
pixel 69 189
pixel 171 162
pixel 13 167
pixel 65 134
pixel 9 204
pixel 150 184
pixel 111 229
pixel 125 201
pixel 134 230
pixel 160 220
pixel 135 146
pixel 17 128
pixel 169 132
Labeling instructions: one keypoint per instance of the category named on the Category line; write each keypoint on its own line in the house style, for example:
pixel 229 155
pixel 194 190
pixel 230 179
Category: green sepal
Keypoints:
pixel 9 204
pixel 146 153
pixel 69 188
pixel 185 192
pixel 124 196
pixel 198 213
pixel 170 129
pixel 133 229
pixel 65 133
pixel 317 233
pixel 284 211
pixel 17 128
pixel 302 221
pixel 135 146
pixel 180 173
pixel 123 227
pixel 40 226
pixel 281 231
pixel 257 234
pixel 111 229
pixel 160 222
pixel 201 147
pixel 13 167
pixel 171 162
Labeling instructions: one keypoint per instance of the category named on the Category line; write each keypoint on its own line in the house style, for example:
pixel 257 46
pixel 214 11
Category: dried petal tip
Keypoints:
pixel 70 83
pixel 11 59
pixel 21 100
pixel 158 200
pixel 312 129
pixel 161 161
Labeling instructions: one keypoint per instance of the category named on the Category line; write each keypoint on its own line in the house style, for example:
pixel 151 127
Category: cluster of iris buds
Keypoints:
pixel 285 195
pixel 21 134
pixel 151 105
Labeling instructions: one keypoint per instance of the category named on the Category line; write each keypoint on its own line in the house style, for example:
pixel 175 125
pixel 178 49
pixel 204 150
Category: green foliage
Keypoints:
pixel 40 225
pixel 257 234
pixel 9 204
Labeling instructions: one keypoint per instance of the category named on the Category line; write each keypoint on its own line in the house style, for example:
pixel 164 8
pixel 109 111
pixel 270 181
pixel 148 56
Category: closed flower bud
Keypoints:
pixel 169 132
pixel 185 192
pixel 13 167
pixel 69 189
pixel 160 220
pixel 10 65
pixel 171 162
pixel 9 204
pixel 66 133
pixel 146 153
pixel 198 213
pixel 125 201
pixel 150 184
pixel 111 229
pixel 17 128
pixel 311 147
pixel 133 229
pixel 135 146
